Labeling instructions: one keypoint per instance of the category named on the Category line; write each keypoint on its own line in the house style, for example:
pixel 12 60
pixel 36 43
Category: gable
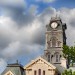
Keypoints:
pixel 39 62
pixel 9 73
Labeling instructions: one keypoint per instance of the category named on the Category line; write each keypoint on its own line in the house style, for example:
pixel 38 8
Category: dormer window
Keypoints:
pixel 9 73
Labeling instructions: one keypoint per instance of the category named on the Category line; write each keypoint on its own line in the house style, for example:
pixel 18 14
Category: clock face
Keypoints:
pixel 54 25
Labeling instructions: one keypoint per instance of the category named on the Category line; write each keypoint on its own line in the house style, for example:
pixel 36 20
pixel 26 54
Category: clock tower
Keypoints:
pixel 55 39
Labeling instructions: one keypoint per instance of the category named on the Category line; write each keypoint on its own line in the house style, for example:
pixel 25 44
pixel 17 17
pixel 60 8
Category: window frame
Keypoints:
pixel 39 71
pixel 35 72
pixel 43 72
pixel 49 57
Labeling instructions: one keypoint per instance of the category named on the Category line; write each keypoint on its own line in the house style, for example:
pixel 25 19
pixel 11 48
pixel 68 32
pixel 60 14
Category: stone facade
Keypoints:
pixel 55 38
pixel 39 66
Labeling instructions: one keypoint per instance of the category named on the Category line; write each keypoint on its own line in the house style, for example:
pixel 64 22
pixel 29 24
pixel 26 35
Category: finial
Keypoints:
pixel 17 61
pixel 57 15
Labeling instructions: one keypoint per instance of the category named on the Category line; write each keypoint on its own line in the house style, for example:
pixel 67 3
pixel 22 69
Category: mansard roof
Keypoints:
pixel 15 68
pixel 60 68
pixel 15 65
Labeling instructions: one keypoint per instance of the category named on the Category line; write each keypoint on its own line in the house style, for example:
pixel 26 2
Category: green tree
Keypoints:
pixel 73 73
pixel 68 72
pixel 66 53
pixel 69 54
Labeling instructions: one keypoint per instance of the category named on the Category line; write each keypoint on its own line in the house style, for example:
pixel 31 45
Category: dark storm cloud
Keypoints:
pixel 4 41
pixel 18 15
pixel 39 36
pixel 16 9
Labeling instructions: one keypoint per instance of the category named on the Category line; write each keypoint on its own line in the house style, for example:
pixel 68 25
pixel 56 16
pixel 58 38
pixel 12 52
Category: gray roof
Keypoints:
pixel 60 68
pixel 16 69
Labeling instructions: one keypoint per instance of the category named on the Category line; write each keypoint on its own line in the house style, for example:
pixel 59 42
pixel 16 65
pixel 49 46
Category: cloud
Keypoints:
pixel 11 50
pixel 13 3
pixel 33 9
pixel 16 41
pixel 46 1
pixel 67 15
pixel 23 32
pixel 15 9
pixel 6 31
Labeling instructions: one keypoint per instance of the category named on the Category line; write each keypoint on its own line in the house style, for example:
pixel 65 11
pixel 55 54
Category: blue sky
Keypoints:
pixel 22 27
pixel 55 3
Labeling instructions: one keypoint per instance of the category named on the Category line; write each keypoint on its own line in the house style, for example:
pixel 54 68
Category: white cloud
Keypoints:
pixel 11 50
pixel 46 1
pixel 67 15
pixel 33 9
pixel 20 3
pixel 17 40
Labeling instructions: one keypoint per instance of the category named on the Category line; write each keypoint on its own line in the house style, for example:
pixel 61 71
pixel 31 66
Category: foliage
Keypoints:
pixel 68 72
pixel 69 53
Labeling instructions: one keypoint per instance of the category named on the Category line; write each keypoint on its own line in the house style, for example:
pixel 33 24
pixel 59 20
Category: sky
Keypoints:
pixel 23 24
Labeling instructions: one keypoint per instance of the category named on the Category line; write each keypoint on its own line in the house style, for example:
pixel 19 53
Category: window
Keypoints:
pixel 39 72
pixel 49 44
pixel 59 43
pixel 54 41
pixel 48 57
pixel 43 72
pixel 35 72
pixel 57 58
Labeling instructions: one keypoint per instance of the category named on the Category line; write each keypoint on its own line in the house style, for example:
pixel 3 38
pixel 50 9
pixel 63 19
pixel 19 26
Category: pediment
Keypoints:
pixel 41 61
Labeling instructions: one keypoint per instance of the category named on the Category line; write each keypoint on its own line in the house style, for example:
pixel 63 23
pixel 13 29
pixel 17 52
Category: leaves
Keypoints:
pixel 68 72
pixel 69 54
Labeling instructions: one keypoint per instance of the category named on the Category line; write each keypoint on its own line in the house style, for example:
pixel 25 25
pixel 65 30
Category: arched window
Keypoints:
pixel 44 72
pixel 49 57
pixel 59 43
pixel 39 72
pixel 35 72
pixel 57 57
pixel 54 41
pixel 49 44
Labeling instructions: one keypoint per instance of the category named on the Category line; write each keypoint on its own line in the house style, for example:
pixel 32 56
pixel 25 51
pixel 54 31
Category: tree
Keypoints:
pixel 68 72
pixel 69 54
pixel 73 73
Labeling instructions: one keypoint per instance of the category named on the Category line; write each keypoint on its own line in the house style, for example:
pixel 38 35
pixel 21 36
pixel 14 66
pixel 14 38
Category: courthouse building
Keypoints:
pixel 52 61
